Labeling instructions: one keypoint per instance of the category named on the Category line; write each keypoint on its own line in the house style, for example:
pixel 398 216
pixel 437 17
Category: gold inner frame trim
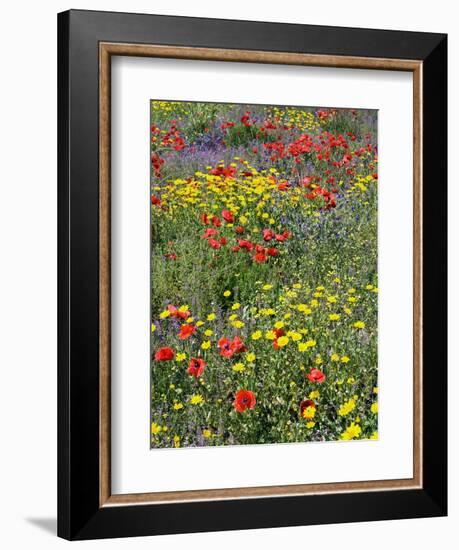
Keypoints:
pixel 106 51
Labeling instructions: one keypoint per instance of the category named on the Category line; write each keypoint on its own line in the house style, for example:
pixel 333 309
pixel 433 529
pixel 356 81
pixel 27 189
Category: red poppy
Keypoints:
pixel 273 252
pixel 238 345
pixel 305 404
pixel 176 313
pixel 172 310
pixel 223 241
pixel 196 367
pixel 316 375
pixel 245 244
pixel 186 331
pixel 214 244
pixel 245 119
pixel 281 237
pixel 171 256
pixel 227 216
pixel 259 249
pixel 164 354
pixel 243 400
pixel 209 232
pixel 226 347
pixel 279 332
pixel 239 230
pixel 155 200
pixel 283 186
pixel 260 257
pixel 205 218
pixel 267 235
pixel 216 221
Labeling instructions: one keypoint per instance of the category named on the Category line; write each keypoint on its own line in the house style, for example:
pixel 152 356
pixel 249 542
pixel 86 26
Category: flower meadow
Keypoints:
pixel 264 290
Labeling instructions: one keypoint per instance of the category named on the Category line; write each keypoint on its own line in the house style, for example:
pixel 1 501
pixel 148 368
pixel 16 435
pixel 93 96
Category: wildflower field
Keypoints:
pixel 264 290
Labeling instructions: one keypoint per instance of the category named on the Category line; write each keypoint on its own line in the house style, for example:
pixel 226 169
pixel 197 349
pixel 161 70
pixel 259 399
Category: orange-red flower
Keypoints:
pixel 267 234
pixel 227 216
pixel 164 354
pixel 209 232
pixel 225 346
pixel 216 221
pixel 228 348
pixel 245 244
pixel 186 331
pixel 175 312
pixel 214 244
pixel 196 367
pixel 243 400
pixel 316 375
pixel 260 257
pixel 238 345
pixel 281 237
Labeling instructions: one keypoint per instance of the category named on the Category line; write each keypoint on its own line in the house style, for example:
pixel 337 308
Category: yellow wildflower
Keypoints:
pixel 309 412
pixel 303 346
pixel 196 399
pixel 282 341
pixel 347 407
pixel 353 431
pixel 155 428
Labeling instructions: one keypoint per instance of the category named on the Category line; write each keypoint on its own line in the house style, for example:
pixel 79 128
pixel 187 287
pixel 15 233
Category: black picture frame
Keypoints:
pixel 80 515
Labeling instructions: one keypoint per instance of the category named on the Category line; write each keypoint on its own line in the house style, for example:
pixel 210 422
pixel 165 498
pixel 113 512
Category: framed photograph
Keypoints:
pixel 252 275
